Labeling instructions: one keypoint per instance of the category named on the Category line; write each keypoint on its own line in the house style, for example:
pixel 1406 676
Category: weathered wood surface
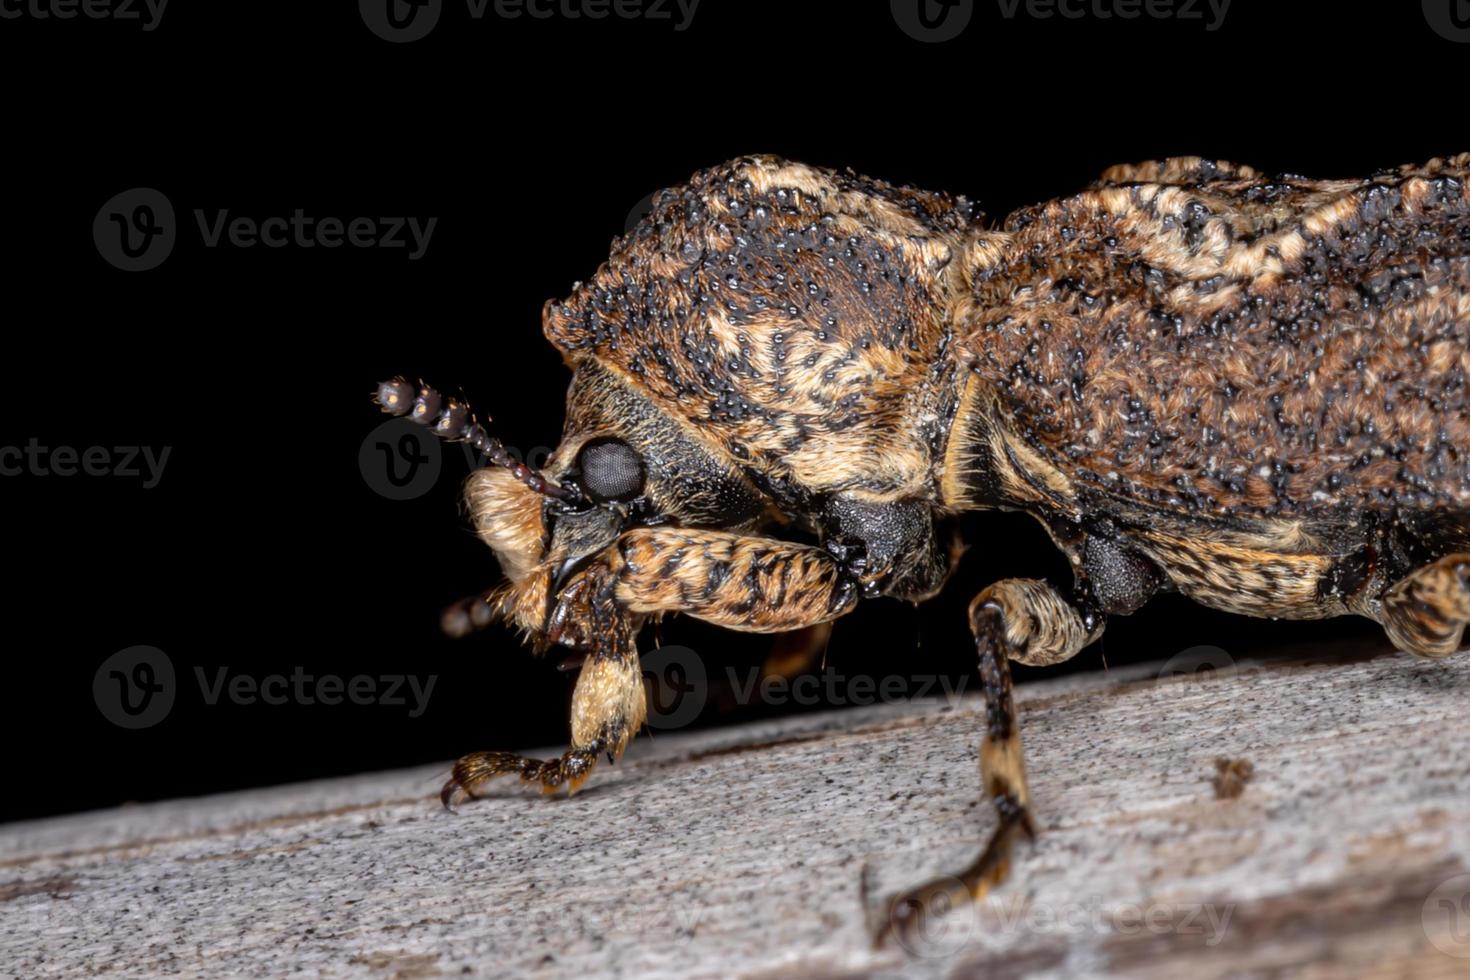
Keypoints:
pixel 765 850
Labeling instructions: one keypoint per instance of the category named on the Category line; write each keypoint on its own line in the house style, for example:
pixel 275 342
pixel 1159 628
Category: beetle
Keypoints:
pixel 788 381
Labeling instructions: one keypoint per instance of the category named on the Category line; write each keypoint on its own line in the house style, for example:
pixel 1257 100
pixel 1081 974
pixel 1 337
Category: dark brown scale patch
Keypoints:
pixel 783 308
pixel 1233 343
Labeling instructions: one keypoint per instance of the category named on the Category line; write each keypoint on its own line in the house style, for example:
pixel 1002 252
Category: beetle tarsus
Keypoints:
pixel 1014 619
pixel 473 771
pixel 910 915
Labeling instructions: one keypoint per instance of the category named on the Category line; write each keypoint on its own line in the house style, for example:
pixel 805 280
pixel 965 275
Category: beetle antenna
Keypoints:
pixel 451 419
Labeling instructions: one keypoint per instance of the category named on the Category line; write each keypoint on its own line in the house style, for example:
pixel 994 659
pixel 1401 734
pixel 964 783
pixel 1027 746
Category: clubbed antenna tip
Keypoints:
pixel 452 419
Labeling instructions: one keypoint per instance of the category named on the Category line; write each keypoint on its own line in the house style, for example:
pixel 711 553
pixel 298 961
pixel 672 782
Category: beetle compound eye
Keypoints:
pixel 611 470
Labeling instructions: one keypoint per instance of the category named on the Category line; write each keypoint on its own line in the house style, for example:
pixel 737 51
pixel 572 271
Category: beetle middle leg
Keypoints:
pixel 1014 619
pixel 1426 613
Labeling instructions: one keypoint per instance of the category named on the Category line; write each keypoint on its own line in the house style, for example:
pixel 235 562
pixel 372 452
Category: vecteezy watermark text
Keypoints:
pixel 148 12
pixel 309 232
pixel 136 230
pixel 388 690
pixel 833 688
pixel 130 462
pixel 680 12
pixel 678 687
pixel 933 21
pixel 400 21
pixel 1183 10
pixel 951 925
pixel 135 688
pixel 401 459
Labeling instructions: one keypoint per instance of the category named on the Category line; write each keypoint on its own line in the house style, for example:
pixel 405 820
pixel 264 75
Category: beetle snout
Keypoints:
pixel 579 536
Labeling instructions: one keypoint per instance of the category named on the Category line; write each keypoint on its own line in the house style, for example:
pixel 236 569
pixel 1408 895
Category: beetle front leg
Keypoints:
pixel 1425 614
pixel 756 585
pixel 608 706
pixel 1014 619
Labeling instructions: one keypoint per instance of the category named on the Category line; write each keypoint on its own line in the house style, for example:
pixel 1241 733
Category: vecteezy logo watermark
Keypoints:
pixel 639 211
pixel 939 924
pixel 400 21
pixel 675 682
pixel 1449 18
pixel 1446 917
pixel 401 459
pixel 147 12
pixel 1197 665
pixel 131 462
pixel 134 688
pixel 135 230
pixel 932 21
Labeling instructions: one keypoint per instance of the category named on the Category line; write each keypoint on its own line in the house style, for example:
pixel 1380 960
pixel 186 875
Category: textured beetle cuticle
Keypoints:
pixel 788 384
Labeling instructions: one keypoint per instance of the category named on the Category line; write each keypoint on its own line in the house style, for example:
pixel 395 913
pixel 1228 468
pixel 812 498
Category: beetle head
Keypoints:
pixel 766 332
pixel 623 463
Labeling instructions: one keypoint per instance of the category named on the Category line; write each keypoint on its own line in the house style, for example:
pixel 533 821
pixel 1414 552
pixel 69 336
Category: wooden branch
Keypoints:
pixel 765 850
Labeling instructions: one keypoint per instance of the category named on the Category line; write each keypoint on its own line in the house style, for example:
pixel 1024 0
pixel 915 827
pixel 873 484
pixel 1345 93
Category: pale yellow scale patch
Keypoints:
pixel 979 437
pixel 608 689
pixel 1277 581
pixel 507 516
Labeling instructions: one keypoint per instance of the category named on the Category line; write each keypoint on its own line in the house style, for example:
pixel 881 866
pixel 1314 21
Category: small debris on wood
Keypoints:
pixel 1231 775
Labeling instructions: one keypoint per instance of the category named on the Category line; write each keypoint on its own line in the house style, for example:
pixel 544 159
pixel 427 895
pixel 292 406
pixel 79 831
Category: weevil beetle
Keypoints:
pixel 1248 390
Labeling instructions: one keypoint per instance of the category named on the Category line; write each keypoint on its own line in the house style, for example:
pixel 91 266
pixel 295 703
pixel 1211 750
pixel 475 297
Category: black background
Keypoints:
pixel 263 548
